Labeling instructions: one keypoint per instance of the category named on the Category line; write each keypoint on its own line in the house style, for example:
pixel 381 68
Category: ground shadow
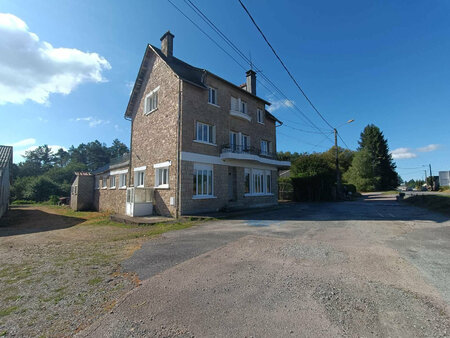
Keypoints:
pixel 370 207
pixel 25 220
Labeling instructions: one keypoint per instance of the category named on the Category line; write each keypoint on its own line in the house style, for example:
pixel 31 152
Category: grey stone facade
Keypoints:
pixel 82 192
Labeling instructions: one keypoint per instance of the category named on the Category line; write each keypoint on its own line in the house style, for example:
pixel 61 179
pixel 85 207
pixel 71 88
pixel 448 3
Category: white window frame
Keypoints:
pixel 243 107
pixel 160 181
pixel 260 182
pixel 112 182
pixel 260 116
pixel 239 108
pixel 247 146
pixel 123 181
pixel 210 96
pixel 105 182
pixel 203 170
pixel 210 133
pixel 154 100
pixel 138 181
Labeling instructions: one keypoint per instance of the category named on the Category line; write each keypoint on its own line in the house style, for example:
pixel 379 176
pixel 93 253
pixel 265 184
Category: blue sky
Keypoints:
pixel 380 62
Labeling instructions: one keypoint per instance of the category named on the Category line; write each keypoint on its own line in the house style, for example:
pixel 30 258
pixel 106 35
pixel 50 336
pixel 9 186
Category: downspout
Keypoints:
pixel 131 149
pixel 177 193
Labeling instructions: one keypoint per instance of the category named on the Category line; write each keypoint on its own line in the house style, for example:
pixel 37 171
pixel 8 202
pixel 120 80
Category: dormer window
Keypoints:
pixel 151 101
pixel 212 96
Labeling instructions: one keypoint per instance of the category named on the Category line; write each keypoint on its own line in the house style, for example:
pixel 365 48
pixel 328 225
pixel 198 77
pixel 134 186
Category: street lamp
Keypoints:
pixel 338 173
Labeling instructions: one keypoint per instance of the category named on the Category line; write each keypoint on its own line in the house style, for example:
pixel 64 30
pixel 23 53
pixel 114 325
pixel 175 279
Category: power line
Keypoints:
pixel 242 55
pixel 302 130
pixel 284 66
pixel 343 141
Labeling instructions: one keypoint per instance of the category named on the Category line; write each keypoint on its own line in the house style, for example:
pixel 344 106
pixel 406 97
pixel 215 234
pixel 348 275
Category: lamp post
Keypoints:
pixel 338 173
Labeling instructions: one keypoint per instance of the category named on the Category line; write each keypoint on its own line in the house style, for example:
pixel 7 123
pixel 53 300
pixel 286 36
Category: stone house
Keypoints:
pixel 6 159
pixel 198 142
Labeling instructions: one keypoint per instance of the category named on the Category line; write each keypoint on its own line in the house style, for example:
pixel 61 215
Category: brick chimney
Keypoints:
pixel 251 81
pixel 167 44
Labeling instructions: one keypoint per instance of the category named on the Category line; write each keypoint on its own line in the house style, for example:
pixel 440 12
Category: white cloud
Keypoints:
pixel 23 143
pixel 428 148
pixel 93 121
pixel 31 69
pixel 278 104
pixel 402 153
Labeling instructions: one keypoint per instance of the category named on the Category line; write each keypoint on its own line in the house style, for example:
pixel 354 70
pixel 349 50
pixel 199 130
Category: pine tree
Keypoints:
pixel 374 142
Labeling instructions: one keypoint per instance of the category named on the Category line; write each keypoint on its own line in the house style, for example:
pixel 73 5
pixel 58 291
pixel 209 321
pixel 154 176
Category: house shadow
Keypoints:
pixel 370 207
pixel 26 220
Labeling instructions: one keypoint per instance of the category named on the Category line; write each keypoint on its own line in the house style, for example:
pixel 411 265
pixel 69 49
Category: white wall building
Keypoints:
pixel 6 154
pixel 444 178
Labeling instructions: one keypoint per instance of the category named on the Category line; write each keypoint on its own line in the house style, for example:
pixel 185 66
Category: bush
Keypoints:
pixel 285 189
pixel 314 188
pixel 350 188
pixel 53 200
pixel 40 189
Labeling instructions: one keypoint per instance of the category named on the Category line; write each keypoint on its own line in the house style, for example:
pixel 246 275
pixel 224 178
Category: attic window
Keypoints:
pixel 151 101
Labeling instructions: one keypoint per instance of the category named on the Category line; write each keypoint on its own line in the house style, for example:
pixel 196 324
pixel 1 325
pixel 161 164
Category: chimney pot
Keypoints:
pixel 167 44
pixel 251 81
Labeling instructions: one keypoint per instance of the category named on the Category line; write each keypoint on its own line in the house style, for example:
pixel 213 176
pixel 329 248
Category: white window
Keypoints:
pixel 97 182
pixel 104 182
pixel 139 177
pixel 257 182
pixel 206 133
pixel 123 181
pixel 112 182
pixel 151 101
pixel 245 142
pixel 162 177
pixel 260 116
pixel 203 181
pixel 212 95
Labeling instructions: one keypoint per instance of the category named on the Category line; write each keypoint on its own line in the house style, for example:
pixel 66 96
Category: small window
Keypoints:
pixel 162 177
pixel 151 101
pixel 104 182
pixel 212 95
pixel 123 181
pixel 243 107
pixel 112 182
pixel 260 116
pixel 139 178
pixel 264 147
pixel 206 133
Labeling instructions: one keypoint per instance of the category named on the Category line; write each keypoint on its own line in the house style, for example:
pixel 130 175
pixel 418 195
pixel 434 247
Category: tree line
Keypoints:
pixel 369 168
pixel 45 174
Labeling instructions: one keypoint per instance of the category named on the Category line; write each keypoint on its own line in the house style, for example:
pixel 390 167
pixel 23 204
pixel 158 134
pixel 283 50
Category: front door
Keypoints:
pixel 130 201
pixel 232 183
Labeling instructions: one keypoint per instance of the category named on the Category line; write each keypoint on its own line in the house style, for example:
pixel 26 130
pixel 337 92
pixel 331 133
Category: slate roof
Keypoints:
pixel 6 154
pixel 185 71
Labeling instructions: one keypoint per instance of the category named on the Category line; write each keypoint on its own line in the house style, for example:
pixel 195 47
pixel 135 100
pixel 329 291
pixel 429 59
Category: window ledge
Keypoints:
pixel 104 188
pixel 203 142
pixel 213 104
pixel 123 188
pixel 151 111
pixel 162 187
pixel 139 186
pixel 261 123
pixel 256 195
pixel 112 188
pixel 203 197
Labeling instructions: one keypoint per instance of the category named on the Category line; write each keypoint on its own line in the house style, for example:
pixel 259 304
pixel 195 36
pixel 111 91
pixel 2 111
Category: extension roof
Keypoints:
pixel 186 72
pixel 6 155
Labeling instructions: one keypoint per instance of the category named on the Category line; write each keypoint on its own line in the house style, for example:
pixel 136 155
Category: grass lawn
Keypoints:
pixel 60 269
pixel 439 203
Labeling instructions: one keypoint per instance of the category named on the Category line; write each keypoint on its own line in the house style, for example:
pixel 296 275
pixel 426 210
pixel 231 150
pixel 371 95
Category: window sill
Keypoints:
pixel 261 123
pixel 203 197
pixel 213 104
pixel 151 111
pixel 112 188
pixel 203 142
pixel 123 188
pixel 104 188
pixel 256 195
pixel 140 186
pixel 162 187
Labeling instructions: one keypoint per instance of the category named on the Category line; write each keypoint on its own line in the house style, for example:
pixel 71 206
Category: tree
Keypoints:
pixel 361 173
pixel 381 163
pixel 287 156
pixel 61 158
pixel 310 165
pixel 345 158
pixel 117 149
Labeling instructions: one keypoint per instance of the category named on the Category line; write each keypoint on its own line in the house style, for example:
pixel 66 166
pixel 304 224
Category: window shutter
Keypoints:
pixel 234 104
pixel 213 134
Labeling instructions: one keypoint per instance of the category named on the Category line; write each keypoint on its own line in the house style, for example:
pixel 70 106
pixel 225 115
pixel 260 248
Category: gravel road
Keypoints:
pixel 372 267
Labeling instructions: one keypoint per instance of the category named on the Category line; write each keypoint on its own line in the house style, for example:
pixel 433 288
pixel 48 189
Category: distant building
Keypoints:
pixel 444 178
pixel 6 155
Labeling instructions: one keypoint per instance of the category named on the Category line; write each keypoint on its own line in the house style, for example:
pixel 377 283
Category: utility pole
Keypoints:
pixel 338 174
pixel 431 179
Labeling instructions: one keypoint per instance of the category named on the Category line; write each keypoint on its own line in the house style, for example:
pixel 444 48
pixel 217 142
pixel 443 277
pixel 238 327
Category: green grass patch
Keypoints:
pixel 389 192
pixel 431 202
pixel 95 281
pixel 8 311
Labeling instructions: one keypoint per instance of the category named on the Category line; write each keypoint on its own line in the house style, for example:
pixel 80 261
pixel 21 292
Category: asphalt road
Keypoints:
pixel 372 267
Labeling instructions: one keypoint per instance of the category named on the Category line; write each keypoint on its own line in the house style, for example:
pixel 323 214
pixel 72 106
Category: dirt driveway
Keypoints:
pixel 365 268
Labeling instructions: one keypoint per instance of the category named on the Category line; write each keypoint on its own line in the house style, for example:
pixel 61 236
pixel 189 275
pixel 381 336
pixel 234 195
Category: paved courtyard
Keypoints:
pixel 372 267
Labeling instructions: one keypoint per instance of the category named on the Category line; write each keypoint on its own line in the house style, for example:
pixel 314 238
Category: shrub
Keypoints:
pixel 314 188
pixel 40 188
pixel 53 200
